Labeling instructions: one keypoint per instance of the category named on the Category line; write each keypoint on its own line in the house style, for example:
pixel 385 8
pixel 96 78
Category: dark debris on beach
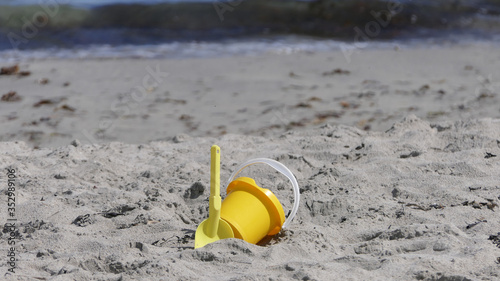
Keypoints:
pixel 495 238
pixel 9 70
pixel 14 70
pixel 489 155
pixel 11 97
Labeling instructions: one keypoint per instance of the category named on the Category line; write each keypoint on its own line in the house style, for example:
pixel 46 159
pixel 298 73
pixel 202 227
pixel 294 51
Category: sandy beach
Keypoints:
pixel 394 149
pixel 136 101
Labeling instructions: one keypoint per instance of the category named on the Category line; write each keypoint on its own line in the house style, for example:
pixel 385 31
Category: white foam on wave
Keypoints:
pixel 285 45
pixel 277 45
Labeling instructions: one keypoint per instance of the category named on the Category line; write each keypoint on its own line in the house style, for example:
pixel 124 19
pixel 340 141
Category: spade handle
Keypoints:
pixel 215 200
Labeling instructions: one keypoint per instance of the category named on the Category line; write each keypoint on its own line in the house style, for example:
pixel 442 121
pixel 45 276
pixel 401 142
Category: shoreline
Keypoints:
pixel 247 46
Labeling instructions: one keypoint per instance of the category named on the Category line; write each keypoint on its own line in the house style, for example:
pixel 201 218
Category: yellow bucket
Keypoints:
pixel 252 212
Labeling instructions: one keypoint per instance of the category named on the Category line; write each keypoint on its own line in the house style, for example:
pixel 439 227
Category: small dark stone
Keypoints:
pixel 141 246
pixel 495 239
pixel 411 154
pixel 195 191
pixel 75 143
pixel 59 177
pixel 396 192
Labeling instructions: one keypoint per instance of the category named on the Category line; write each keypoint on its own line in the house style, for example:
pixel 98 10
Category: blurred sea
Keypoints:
pixel 90 3
pixel 38 29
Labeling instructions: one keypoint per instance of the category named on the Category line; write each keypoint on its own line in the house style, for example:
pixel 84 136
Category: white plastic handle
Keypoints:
pixel 280 168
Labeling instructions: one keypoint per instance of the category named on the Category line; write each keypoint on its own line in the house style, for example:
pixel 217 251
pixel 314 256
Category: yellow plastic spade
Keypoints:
pixel 214 228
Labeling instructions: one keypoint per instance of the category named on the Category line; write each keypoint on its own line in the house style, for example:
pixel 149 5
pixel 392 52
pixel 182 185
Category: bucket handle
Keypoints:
pixel 283 170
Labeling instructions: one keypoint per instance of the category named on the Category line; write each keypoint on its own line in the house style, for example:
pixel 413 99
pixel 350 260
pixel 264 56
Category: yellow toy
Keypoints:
pixel 214 228
pixel 249 212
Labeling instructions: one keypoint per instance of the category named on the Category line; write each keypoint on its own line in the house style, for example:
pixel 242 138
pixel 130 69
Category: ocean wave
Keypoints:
pixel 65 25
pixel 172 50
pixel 177 30
pixel 281 45
pixel 284 45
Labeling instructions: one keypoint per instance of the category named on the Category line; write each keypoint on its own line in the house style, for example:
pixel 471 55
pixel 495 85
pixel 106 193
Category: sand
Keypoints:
pixel 97 101
pixel 413 197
